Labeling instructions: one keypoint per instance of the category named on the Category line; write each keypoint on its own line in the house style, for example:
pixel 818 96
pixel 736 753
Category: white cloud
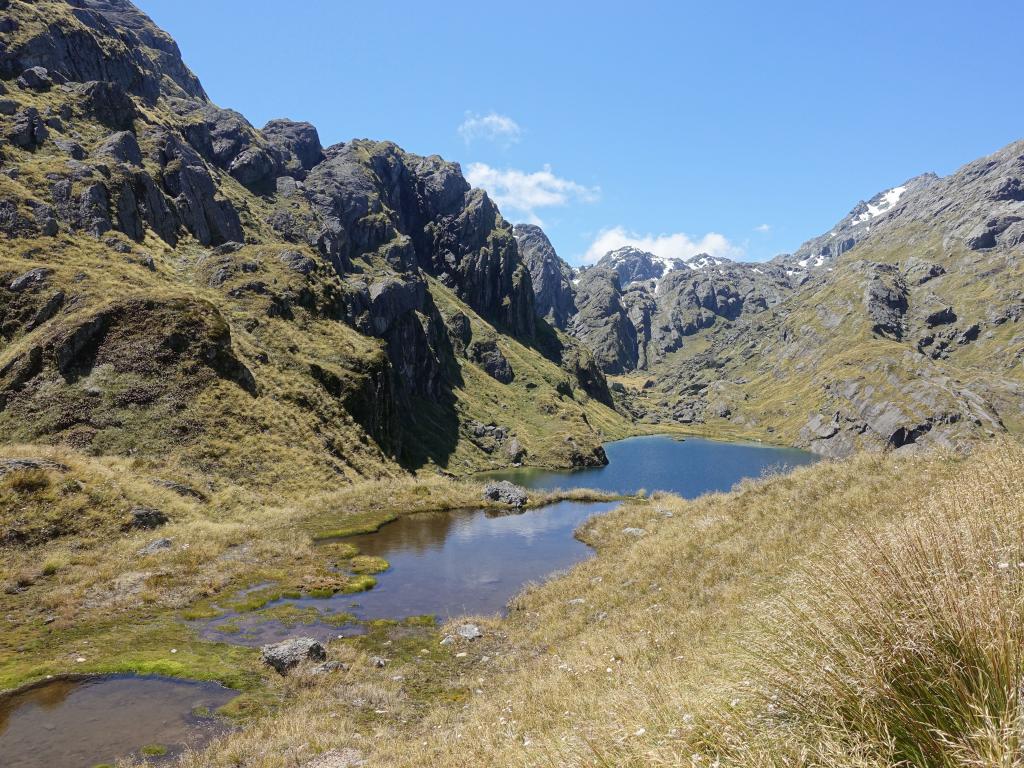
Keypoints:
pixel 676 245
pixel 500 129
pixel 763 228
pixel 524 193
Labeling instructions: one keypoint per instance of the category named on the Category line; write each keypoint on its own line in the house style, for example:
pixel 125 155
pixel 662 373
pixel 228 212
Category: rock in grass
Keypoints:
pixel 22 465
pixel 469 631
pixel 338 758
pixel 634 531
pixel 31 279
pixel 147 518
pixel 516 452
pixel 289 653
pixel 157 545
pixel 505 492
pixel 35 79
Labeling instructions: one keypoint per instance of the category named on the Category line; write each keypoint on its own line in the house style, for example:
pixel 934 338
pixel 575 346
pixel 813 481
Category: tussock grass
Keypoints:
pixel 855 613
pixel 905 646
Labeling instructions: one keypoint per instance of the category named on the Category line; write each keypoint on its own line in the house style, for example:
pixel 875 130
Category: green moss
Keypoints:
pixel 359 583
pixel 354 524
pixel 204 610
pixel 368 564
pixel 341 550
pixel 154 750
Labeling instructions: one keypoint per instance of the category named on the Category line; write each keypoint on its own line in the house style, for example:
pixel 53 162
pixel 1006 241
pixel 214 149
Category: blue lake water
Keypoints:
pixel 463 562
pixel 689 467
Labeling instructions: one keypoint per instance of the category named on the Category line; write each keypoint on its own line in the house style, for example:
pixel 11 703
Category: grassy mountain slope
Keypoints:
pixel 182 287
pixel 906 334
pixel 748 628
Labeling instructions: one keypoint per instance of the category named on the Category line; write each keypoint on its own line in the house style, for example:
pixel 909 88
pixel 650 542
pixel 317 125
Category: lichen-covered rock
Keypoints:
pixel 27 130
pixel 515 450
pixel 297 262
pixel 288 654
pixel 121 147
pixel 602 323
pixel 505 492
pixel 299 141
pixel 469 632
pixel 157 545
pixel 31 279
pixel 35 79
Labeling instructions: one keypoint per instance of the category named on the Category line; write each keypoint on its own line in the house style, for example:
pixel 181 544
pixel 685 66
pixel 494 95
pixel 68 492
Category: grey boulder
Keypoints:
pixel 147 518
pixel 506 493
pixel 35 79
pixel 469 632
pixel 157 545
pixel 287 654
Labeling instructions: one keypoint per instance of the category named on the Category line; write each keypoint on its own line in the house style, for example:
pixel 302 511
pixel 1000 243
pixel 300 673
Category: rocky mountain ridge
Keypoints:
pixel 896 328
pixel 169 266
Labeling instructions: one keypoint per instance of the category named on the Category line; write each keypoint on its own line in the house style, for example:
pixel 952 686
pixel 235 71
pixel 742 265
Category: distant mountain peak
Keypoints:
pixel 635 265
pixel 707 261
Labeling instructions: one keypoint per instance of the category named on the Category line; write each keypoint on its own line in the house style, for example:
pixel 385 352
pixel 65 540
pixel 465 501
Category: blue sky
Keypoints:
pixel 740 128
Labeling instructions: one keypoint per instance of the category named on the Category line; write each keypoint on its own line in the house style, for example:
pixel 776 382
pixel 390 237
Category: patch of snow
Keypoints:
pixel 888 199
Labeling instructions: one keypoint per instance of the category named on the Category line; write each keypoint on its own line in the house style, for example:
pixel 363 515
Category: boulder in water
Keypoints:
pixel 505 492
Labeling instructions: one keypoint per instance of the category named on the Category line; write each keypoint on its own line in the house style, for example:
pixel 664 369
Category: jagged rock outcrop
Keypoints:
pixel 602 323
pixel 148 192
pixel 552 278
pixel 896 329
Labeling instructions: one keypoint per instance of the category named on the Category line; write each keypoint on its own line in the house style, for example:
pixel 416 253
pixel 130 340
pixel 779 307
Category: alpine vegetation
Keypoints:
pixel 312 458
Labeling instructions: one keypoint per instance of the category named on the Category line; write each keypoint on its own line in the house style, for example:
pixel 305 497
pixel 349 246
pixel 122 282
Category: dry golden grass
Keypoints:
pixel 860 613
pixel 71 568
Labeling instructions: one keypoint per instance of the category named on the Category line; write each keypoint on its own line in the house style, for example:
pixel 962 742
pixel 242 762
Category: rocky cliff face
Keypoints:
pixel 632 308
pixel 320 268
pixel 552 278
pixel 896 329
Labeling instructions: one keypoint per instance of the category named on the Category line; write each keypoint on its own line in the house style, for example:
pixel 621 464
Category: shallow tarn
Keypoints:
pixel 68 723
pixel 466 562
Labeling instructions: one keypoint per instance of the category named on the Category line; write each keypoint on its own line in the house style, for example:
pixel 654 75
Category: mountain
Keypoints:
pixel 180 286
pixel 895 328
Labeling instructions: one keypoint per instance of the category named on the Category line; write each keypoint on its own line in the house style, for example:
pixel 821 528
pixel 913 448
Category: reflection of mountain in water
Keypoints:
pixel 418 533
pixel 46 696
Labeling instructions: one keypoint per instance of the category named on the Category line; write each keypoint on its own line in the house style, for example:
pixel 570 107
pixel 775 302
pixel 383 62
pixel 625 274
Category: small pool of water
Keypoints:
pixel 463 562
pixel 466 562
pixel 82 723
pixel 689 467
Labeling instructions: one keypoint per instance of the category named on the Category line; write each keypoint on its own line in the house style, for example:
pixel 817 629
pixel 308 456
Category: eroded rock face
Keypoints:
pixel 885 299
pixel 555 297
pixel 360 233
pixel 297 139
pixel 414 212
pixel 113 41
pixel 602 323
